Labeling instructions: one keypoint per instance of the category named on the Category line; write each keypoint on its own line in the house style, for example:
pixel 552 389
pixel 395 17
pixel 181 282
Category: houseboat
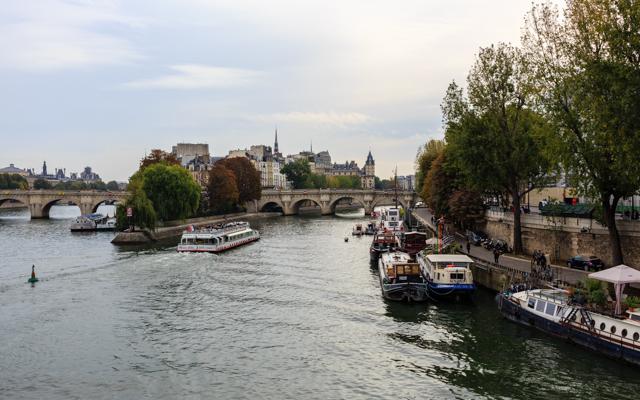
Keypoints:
pixel 413 242
pixel 553 312
pixel 447 275
pixel 217 238
pixel 371 228
pixel 400 278
pixel 358 230
pixel 383 242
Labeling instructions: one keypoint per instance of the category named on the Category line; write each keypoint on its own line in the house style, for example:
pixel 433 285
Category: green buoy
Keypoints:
pixel 33 278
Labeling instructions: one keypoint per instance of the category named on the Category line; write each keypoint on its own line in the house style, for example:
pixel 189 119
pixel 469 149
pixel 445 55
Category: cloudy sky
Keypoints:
pixel 101 82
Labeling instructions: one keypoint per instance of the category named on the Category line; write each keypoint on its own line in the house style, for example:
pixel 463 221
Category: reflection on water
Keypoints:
pixel 296 315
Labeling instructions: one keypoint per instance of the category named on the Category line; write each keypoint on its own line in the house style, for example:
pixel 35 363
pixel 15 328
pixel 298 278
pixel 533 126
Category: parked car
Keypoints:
pixel 587 263
pixel 476 237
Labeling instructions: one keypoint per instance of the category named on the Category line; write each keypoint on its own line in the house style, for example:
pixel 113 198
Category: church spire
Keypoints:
pixel 311 146
pixel 275 145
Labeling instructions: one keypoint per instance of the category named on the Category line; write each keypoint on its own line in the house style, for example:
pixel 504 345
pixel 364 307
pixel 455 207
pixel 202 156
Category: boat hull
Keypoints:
pixel 579 335
pixel 440 290
pixel 407 292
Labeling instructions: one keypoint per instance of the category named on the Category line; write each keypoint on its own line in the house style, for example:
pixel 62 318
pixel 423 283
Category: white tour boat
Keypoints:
pixel 390 220
pixel 93 222
pixel 218 238
pixel 447 275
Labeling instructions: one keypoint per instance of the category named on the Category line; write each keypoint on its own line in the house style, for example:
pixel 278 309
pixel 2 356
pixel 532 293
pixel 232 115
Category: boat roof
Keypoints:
pixel 441 258
pixel 396 256
pixel 415 233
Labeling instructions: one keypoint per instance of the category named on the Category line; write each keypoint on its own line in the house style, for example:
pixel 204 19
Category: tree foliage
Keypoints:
pixel 158 156
pixel 113 186
pixel 586 67
pixel 42 184
pixel 496 140
pixel 247 178
pixel 172 191
pixel 425 157
pixel 297 172
pixel 223 190
pixel 13 181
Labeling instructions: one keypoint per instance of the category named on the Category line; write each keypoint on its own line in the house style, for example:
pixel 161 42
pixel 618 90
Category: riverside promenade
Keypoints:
pixel 509 264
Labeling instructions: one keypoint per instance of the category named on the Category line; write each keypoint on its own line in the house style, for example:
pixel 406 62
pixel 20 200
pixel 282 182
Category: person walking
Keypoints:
pixel 496 255
pixel 468 247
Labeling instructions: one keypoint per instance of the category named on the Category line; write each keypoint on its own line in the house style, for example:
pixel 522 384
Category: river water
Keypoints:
pixel 296 315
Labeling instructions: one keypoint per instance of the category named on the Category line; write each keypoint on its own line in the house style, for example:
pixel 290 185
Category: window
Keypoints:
pixel 541 305
pixel 551 309
pixel 602 326
pixel 624 333
pixel 532 303
pixel 613 329
pixel 636 336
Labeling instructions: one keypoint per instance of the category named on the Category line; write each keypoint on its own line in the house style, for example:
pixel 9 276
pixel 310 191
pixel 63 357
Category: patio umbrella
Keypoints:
pixel 619 276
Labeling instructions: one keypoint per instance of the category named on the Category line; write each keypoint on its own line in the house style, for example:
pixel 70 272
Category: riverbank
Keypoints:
pixel 174 229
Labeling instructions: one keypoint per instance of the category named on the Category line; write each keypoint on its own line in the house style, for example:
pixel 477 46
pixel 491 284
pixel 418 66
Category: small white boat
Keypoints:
pixel 400 278
pixel 358 230
pixel 390 220
pixel 217 238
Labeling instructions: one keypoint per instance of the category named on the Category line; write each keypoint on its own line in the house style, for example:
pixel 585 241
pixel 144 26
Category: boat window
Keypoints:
pixel 457 276
pixel 540 306
pixel 635 317
pixel 551 309
pixel 613 329
pixel 636 336
pixel 532 303
pixel 603 326
pixel 624 333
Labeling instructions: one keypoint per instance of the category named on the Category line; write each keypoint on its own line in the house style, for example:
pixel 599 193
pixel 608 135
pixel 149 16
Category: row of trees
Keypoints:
pixel 566 100
pixel 161 190
pixel 76 185
pixel 299 173
pixel 13 181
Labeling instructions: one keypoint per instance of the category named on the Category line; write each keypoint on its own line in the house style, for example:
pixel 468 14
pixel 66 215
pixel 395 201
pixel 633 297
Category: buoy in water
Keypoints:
pixel 346 239
pixel 33 278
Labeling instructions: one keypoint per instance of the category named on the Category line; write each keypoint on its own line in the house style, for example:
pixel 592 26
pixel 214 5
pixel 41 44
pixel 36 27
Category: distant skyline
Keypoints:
pixel 100 82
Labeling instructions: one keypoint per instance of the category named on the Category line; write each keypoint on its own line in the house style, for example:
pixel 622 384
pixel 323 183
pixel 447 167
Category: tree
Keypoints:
pixel 158 156
pixel 586 67
pixel 297 172
pixel 425 157
pixel 172 191
pixel 223 190
pixel 13 181
pixel 496 140
pixel 465 208
pixel 437 187
pixel 247 178
pixel 41 184
pixel 97 185
pixel 112 186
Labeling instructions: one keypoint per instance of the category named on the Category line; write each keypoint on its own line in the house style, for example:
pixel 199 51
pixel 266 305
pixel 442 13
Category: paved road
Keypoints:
pixel 506 260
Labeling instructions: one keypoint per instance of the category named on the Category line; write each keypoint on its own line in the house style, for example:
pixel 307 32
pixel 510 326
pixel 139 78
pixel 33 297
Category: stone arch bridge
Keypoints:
pixel 40 202
pixel 327 199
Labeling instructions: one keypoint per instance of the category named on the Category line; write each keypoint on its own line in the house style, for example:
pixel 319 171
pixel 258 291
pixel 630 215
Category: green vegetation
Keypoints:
pixel 586 69
pixel 159 191
pixel 41 184
pixel 112 186
pixel 632 301
pixel 13 181
pixel 80 185
pixel 299 173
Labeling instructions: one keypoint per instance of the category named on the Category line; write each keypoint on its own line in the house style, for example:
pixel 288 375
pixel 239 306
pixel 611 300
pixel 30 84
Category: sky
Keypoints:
pixel 102 82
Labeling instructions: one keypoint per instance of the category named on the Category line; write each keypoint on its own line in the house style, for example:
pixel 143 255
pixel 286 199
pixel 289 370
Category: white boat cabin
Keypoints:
pixel 446 268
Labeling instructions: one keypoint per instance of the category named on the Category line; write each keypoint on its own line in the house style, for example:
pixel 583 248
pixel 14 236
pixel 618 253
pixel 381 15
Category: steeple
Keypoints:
pixel 275 145
pixel 44 168
pixel 311 149
pixel 370 160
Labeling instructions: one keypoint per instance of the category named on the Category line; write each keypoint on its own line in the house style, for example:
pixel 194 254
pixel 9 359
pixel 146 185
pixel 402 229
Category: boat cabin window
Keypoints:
pixel 635 317
pixel 531 303
pixel 551 309
pixel 540 306
pixel 457 276
pixel 624 333
pixel 636 336
pixel 603 326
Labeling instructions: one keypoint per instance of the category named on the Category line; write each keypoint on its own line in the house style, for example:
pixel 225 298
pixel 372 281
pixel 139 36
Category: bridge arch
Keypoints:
pixel 295 206
pixel 335 202
pixel 272 206
pixel 47 206
pixel 106 201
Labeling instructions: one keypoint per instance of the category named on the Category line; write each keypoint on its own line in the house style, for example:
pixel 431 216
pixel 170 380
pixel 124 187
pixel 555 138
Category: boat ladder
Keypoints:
pixel 585 318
